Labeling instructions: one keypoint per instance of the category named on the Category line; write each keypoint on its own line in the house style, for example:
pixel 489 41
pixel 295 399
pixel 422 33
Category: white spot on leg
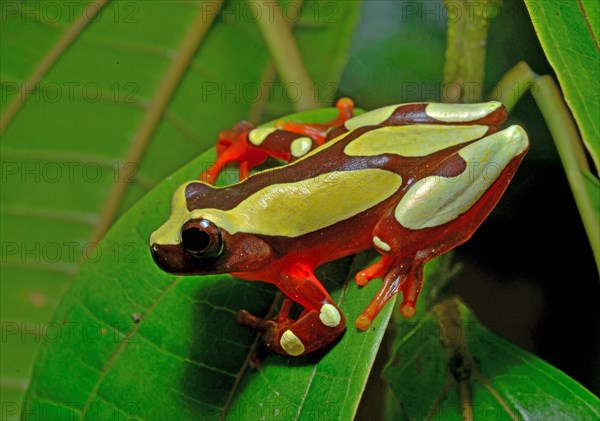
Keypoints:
pixel 381 244
pixel 258 135
pixel 301 146
pixel 291 343
pixel 330 316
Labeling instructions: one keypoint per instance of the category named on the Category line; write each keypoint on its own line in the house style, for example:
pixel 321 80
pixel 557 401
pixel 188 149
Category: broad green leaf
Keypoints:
pixel 187 344
pixel 503 381
pixel 74 142
pixel 568 32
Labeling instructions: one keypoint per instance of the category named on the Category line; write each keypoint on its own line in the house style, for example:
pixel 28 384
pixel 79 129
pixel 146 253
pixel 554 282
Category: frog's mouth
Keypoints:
pixel 173 258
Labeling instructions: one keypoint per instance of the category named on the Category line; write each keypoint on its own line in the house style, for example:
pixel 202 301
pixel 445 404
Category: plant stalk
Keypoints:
pixel 282 46
pixel 464 66
pixel 566 137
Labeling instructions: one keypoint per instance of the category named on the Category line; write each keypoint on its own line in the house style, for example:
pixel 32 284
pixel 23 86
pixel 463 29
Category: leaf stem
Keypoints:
pixel 459 362
pixel 568 143
pixel 282 46
pixel 564 132
pixel 465 50
pixel 513 85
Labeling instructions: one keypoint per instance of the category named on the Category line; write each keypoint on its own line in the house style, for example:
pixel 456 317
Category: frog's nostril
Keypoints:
pixel 155 251
pixel 160 255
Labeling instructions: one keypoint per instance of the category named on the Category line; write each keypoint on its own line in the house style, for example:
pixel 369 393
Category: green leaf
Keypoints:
pixel 72 159
pixel 187 343
pixel 501 380
pixel 568 32
pixel 592 185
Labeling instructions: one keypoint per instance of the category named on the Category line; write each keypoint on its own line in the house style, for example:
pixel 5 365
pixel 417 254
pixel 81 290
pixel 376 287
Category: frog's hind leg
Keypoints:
pixel 321 323
pixel 319 131
pixel 233 146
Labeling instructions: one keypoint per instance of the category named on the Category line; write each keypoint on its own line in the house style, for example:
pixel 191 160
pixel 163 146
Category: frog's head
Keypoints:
pixel 200 239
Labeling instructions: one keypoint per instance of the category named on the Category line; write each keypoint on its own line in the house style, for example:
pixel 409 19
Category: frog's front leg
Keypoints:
pixel 321 323
pixel 437 213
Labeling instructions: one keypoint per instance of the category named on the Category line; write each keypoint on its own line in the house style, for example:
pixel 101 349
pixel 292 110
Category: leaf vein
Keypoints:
pixel 122 347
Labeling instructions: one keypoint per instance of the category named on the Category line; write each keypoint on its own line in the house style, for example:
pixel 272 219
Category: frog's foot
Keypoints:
pixel 313 330
pixel 246 318
pixel 321 322
pixel 318 131
pixel 405 275
pixel 233 146
pixel 376 270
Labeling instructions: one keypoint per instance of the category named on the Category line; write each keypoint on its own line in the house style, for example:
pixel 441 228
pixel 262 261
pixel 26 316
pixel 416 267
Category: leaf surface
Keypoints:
pixel 568 32
pixel 73 145
pixel 504 381
pixel 187 344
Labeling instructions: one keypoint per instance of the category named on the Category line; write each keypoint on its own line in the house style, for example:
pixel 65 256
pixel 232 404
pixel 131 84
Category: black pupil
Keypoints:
pixel 195 239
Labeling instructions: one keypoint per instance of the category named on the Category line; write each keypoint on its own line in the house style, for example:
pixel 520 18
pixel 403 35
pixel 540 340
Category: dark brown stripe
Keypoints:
pixel 445 163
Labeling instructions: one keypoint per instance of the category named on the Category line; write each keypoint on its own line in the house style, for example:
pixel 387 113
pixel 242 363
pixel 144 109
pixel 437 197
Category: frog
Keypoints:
pixel 411 181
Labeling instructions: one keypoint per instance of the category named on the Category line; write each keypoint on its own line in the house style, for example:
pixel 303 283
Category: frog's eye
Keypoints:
pixel 202 239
